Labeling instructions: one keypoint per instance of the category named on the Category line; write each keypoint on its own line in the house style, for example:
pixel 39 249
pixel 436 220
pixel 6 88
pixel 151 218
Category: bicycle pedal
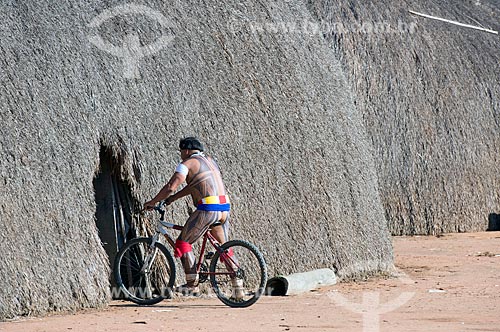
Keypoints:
pixel 209 255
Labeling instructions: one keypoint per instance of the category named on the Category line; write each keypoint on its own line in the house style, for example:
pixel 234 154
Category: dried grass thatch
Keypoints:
pixel 430 95
pixel 273 108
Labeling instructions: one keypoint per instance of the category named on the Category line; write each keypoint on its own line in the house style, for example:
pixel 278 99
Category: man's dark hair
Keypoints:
pixel 190 143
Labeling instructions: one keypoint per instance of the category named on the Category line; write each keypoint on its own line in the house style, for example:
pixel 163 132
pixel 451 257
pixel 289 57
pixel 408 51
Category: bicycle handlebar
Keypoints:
pixel 159 208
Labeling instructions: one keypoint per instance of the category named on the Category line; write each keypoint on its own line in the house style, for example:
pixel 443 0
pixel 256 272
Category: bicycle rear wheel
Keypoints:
pixel 144 274
pixel 238 277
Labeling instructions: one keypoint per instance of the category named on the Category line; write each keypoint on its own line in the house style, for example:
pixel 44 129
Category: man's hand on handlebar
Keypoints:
pixel 150 205
pixel 169 200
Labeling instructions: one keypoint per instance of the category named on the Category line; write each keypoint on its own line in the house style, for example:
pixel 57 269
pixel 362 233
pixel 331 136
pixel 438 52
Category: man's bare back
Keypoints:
pixel 204 178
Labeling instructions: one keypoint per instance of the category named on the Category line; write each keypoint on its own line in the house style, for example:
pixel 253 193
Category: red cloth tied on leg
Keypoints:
pixel 182 247
pixel 228 253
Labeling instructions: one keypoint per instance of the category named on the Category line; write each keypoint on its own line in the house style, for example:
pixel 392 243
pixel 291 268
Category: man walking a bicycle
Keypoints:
pixel 204 183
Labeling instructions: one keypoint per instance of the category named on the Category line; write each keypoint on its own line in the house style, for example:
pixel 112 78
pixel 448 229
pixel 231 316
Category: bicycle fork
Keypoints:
pixel 150 255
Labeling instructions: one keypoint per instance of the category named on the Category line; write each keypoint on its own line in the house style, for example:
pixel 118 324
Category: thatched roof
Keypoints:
pixel 430 95
pixel 273 108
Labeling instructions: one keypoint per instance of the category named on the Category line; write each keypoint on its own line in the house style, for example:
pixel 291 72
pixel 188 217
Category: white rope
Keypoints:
pixel 454 22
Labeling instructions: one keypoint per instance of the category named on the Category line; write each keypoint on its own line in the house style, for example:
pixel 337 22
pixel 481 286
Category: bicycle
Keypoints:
pixel 145 270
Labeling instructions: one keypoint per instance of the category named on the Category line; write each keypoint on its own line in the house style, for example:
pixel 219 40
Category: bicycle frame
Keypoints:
pixel 224 257
pixel 228 261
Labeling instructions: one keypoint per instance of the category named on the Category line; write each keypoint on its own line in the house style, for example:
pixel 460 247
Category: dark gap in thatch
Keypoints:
pixel 115 205
pixel 493 222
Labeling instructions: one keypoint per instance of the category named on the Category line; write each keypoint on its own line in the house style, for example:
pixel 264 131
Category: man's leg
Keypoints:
pixel 221 232
pixel 188 261
pixel 195 227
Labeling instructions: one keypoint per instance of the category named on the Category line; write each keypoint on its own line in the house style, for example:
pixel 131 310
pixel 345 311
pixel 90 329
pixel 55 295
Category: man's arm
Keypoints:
pixel 187 190
pixel 167 190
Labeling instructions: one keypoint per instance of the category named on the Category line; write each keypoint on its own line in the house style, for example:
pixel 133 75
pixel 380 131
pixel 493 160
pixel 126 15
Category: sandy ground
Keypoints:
pixel 450 283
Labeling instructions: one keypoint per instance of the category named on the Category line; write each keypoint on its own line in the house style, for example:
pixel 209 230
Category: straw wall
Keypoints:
pixel 275 110
pixel 429 92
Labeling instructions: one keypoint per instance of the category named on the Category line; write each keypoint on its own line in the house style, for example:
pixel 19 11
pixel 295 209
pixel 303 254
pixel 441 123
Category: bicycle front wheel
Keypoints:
pixel 239 274
pixel 144 273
